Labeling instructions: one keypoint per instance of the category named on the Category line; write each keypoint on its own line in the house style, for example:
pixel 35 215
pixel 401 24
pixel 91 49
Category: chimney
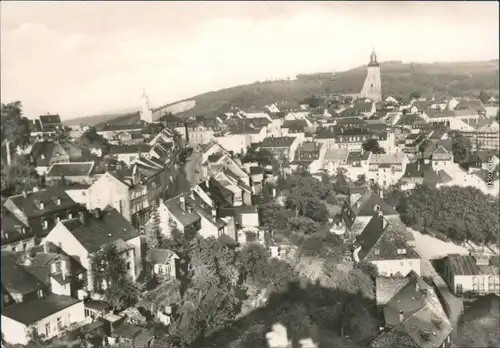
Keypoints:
pixel 97 213
pixel 214 213
pixel 401 316
pixel 182 202
pixel 82 215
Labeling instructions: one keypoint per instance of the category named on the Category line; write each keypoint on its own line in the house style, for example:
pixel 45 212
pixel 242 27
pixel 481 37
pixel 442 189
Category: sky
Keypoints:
pixel 85 58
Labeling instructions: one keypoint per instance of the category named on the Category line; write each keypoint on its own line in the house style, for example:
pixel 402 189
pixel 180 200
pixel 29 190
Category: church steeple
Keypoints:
pixel 373 59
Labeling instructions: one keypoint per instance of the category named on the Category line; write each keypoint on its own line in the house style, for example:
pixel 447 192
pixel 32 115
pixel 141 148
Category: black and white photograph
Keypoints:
pixel 250 174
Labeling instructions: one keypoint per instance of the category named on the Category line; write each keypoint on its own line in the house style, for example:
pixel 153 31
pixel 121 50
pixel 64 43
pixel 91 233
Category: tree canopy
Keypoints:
pixel 14 127
pixel 373 146
pixel 461 148
pixel 459 213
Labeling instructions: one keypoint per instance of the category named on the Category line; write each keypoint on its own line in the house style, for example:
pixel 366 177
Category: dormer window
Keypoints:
pixel 42 156
pixel 401 251
pixel 45 224
pixel 41 206
pixel 376 252
pixel 58 202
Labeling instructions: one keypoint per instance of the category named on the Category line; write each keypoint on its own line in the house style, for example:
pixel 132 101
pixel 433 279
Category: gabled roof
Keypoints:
pixel 70 169
pixel 388 158
pixel 120 127
pixel 295 126
pixel 96 233
pixel 278 142
pixel 410 119
pixel 46 120
pixel 43 151
pixel 357 156
pixel 334 155
pixel 424 323
pixel 216 191
pixel 12 228
pixel 379 235
pixel 15 278
pixel 30 205
pixel 439 114
pixel 466 265
pixel 365 205
pixel 123 149
pixel 31 312
pixel 159 256
pixel 183 216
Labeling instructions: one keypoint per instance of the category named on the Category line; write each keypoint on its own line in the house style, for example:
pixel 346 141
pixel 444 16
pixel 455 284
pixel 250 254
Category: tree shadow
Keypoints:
pixel 330 317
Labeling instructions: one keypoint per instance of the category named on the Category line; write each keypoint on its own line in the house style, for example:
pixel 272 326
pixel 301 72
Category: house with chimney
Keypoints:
pixel 128 154
pixel 36 296
pixel 386 247
pixel 335 159
pixel 90 232
pixel 40 210
pixel 309 155
pixel 369 203
pixel 46 126
pixel 80 173
pixel 413 314
pixel 163 263
pixel 475 274
pixel 295 128
pixel 16 236
pixel 281 146
pixel 421 173
pixel 190 213
pixel 46 153
pixel 386 169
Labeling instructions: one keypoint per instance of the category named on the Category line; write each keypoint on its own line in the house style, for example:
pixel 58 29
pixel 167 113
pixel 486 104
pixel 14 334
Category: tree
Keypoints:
pixel 20 176
pixel 154 231
pixel 111 278
pixel 415 95
pixel 461 148
pixel 373 146
pixel 15 129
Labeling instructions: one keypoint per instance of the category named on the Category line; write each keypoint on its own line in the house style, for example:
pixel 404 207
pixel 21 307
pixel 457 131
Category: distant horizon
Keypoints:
pixel 86 68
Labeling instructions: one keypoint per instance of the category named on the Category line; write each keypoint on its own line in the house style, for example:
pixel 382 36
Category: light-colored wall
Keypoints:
pixel 80 196
pixel 20 245
pixel 107 190
pixel 60 289
pixel 16 333
pixel 249 220
pixel 238 143
pixel 166 272
pixel 208 229
pixel 391 267
pixel 137 261
pixel 127 158
pixel 468 281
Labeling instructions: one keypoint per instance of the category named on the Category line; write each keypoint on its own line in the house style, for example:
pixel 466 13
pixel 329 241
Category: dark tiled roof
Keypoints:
pixel 12 228
pixel 422 314
pixel 185 218
pixel 217 192
pixel 15 278
pixel 387 287
pixel 50 120
pixel 357 156
pixel 70 169
pixel 278 142
pixel 309 146
pixel 30 312
pixel 365 205
pixel 30 205
pixel 410 119
pixel 466 265
pixel 96 233
pixel 385 239
pixel 121 149
pixel 256 170
pixel 45 148
pixel 295 126
pixel 159 256
pixel 437 114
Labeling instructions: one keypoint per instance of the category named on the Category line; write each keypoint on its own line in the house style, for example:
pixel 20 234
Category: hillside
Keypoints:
pixel 398 79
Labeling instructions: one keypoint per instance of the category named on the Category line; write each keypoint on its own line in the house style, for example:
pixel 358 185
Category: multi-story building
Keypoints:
pixel 41 210
pixel 46 153
pixel 475 274
pixel 281 146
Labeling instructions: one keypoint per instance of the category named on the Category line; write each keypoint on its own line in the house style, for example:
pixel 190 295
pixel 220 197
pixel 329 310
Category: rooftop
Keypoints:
pixel 70 169
pixel 466 265
pixel 31 312
pixel 95 233
pixel 278 142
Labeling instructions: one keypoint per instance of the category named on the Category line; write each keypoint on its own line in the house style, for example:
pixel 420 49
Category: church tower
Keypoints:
pixel 145 111
pixel 372 88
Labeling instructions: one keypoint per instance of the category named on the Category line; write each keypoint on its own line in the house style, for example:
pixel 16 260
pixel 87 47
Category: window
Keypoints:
pixel 45 224
pixel 491 283
pixel 25 246
pixel 460 289
pixel 128 265
pixel 40 293
pixel 47 329
pixel 59 324
pixel 14 248
pixel 6 299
